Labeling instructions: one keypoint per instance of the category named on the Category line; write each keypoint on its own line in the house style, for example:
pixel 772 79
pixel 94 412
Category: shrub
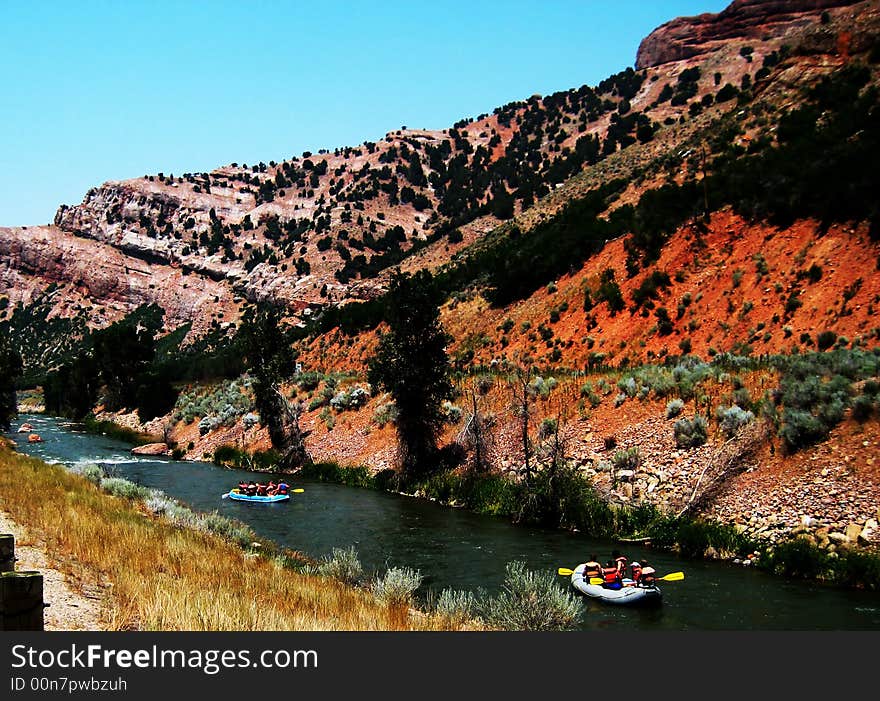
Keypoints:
pixel 531 600
pixel 690 433
pixel 862 408
pixel 451 412
pixel 457 607
pixel 732 419
pixel 226 528
pixel 798 558
pixel 397 587
pixel 119 487
pixel 309 381
pixel 342 564
pixel 93 473
pixel 673 408
pixel 628 459
pixel 547 428
pixel 384 414
pixel 858 569
pixel 825 340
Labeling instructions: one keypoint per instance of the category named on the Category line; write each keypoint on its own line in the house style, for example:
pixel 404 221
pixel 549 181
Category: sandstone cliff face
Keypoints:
pixel 686 37
pixel 104 283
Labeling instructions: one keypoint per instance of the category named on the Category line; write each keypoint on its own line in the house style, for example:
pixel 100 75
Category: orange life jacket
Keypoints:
pixel 592 569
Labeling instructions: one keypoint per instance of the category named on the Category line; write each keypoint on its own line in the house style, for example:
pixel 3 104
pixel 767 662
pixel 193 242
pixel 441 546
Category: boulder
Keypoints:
pixel 853 530
pixel 151 449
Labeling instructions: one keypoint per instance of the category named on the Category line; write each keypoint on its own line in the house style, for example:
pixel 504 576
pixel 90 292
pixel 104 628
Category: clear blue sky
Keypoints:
pixel 94 91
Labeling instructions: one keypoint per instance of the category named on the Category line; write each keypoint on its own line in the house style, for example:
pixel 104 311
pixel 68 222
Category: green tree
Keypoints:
pixel 411 363
pixel 123 351
pixel 269 359
pixel 10 371
pixel 72 389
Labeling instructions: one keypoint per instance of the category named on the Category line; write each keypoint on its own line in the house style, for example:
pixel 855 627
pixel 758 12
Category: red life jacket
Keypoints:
pixel 610 575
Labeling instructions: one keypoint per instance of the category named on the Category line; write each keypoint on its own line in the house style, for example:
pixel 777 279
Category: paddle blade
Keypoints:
pixel 596 580
pixel 297 491
pixel 225 496
pixel 565 572
pixel 672 577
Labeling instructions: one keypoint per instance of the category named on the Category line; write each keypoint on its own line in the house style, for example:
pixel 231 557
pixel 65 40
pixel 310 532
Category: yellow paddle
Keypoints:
pixel 671 577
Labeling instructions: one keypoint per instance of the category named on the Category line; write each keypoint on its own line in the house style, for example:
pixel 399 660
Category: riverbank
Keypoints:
pixel 793 515
pixel 166 577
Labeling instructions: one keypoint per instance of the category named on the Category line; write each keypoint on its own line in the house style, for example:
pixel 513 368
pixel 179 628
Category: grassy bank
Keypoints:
pixel 166 577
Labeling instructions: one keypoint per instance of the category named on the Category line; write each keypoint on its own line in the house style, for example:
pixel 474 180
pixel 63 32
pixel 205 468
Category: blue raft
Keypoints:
pixel 235 495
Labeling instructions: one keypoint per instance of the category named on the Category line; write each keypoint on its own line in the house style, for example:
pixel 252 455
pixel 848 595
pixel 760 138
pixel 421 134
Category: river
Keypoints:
pixel 454 548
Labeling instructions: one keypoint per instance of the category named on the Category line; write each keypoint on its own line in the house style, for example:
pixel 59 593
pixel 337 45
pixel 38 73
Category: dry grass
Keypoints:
pixel 167 578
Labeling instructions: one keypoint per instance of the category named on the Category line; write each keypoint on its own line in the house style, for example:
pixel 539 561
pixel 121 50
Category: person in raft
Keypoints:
pixel 592 568
pixel 252 489
pixel 271 488
pixel 611 577
pixel 636 569
pixel 648 576
pixel 621 562
pixel 242 487
pixel 282 488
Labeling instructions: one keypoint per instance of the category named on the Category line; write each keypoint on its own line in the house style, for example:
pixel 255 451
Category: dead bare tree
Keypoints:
pixel 476 435
pixel 729 460
pixel 294 454
pixel 522 409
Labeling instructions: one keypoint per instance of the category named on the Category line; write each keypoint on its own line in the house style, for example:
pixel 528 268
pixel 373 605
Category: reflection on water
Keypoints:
pixel 453 548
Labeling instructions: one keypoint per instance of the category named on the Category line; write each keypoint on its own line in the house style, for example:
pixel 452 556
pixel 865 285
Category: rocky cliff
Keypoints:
pixel 687 37
pixel 104 284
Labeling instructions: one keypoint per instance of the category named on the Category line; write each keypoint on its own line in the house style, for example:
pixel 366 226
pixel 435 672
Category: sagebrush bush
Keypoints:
pixel 690 433
pixel 397 586
pixel 226 528
pixel 342 564
pixel 628 459
pixel 93 473
pixel 731 419
pixel 119 487
pixel 457 607
pixel 531 600
pixel 673 408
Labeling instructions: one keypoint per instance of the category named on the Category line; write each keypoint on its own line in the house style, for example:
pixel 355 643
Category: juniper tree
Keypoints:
pixel 269 359
pixel 411 364
pixel 10 371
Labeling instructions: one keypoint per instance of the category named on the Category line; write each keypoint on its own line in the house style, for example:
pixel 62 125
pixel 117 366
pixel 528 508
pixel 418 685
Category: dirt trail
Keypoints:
pixel 70 607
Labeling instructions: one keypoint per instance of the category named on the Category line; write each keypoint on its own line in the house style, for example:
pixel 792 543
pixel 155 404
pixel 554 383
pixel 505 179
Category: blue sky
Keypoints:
pixel 94 91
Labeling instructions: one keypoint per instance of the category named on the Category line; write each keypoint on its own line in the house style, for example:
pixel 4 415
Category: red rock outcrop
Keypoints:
pixel 686 37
